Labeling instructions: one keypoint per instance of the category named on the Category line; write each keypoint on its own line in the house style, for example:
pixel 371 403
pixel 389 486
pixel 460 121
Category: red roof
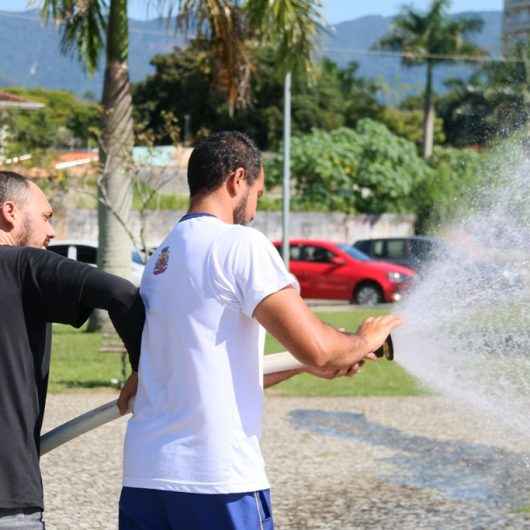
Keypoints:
pixel 4 96
pixel 73 156
pixel 10 100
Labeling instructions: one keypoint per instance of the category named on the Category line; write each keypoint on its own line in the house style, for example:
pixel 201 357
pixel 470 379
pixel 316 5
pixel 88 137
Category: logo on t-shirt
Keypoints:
pixel 162 261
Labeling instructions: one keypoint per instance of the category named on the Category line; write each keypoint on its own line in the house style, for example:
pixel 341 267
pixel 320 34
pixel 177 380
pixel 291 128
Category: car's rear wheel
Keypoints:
pixel 368 293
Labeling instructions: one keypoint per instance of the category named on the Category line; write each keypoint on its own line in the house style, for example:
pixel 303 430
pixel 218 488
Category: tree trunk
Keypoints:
pixel 428 115
pixel 114 190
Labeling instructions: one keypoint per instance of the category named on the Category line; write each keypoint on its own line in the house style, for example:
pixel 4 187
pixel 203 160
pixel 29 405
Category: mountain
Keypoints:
pixel 30 53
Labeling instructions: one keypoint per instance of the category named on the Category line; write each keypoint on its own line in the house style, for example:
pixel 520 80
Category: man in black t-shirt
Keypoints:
pixel 38 287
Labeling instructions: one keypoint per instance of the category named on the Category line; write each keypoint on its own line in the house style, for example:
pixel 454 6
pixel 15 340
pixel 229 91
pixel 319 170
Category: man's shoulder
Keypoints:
pixel 246 233
pixel 239 237
pixel 15 253
pixel 34 258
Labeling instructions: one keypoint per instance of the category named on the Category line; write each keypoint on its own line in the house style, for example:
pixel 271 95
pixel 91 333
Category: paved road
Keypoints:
pixel 334 464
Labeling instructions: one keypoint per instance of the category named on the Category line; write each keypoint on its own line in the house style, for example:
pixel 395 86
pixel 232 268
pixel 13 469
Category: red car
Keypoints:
pixel 341 272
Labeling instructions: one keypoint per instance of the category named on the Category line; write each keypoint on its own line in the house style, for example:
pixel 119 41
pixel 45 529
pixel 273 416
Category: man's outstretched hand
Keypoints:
pixel 374 331
pixel 127 392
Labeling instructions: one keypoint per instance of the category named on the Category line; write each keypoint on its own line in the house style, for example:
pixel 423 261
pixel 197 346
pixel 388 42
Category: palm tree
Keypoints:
pixel 432 38
pixel 232 27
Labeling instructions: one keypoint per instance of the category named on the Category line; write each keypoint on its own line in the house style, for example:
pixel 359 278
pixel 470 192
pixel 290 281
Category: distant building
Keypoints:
pixel 516 23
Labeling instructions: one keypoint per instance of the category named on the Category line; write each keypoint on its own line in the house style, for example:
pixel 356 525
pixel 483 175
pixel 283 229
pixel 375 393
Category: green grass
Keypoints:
pixel 77 363
pixel 524 510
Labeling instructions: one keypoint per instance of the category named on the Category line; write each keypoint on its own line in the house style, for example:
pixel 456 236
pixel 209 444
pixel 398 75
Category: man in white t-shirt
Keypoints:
pixel 192 455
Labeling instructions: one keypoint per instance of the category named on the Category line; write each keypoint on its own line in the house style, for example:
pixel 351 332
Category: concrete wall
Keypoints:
pixel 82 224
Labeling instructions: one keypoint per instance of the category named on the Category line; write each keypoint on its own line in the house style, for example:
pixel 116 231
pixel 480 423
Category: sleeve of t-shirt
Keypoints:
pixel 54 286
pixel 66 291
pixel 248 270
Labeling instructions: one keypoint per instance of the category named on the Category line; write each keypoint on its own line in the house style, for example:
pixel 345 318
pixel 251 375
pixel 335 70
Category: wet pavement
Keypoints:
pixel 333 463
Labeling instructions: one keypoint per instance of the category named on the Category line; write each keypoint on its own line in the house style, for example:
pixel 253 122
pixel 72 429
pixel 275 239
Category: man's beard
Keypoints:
pixel 23 240
pixel 26 239
pixel 239 212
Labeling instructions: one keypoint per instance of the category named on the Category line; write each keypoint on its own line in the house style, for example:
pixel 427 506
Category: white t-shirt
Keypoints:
pixel 198 410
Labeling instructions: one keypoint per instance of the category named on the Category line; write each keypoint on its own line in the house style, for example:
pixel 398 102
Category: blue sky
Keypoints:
pixel 334 10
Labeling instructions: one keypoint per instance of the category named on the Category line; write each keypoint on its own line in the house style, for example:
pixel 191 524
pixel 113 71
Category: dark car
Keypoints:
pixel 412 252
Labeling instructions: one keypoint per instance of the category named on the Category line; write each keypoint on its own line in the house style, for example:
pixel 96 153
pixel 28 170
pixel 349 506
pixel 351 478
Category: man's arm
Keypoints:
pixel 278 377
pixel 287 318
pixel 66 291
pixel 125 307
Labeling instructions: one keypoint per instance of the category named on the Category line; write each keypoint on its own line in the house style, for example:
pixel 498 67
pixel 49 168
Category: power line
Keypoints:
pixel 421 57
pixel 343 51
pixel 131 30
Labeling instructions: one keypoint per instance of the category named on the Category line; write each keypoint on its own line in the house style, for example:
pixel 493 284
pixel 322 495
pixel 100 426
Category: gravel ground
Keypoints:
pixel 334 464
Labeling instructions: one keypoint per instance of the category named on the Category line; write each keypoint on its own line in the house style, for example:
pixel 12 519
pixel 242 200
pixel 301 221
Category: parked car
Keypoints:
pixel 417 251
pixel 87 252
pixel 341 272
pixel 412 252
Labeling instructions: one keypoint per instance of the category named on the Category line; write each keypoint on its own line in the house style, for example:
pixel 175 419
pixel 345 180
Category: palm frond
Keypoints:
pixel 83 25
pixel 293 25
pixel 432 36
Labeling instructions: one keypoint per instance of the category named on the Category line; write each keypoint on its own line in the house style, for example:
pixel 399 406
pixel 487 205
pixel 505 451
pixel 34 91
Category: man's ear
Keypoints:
pixel 235 181
pixel 8 212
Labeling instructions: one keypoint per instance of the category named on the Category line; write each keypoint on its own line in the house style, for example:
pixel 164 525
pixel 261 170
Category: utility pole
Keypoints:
pixel 286 167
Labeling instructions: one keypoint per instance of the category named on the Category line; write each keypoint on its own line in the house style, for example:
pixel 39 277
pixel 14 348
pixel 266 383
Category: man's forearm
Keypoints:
pixel 278 377
pixel 126 311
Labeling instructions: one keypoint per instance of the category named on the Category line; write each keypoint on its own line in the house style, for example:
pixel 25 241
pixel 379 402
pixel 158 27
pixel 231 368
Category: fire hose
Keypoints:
pixel 277 362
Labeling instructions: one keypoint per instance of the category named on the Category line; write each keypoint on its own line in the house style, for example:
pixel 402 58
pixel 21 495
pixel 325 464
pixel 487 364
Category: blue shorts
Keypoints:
pixel 147 509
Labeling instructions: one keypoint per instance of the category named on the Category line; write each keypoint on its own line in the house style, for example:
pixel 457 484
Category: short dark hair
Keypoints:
pixel 216 157
pixel 13 187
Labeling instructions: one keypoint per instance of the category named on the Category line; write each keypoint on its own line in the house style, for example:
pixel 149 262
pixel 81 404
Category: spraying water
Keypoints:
pixel 467 332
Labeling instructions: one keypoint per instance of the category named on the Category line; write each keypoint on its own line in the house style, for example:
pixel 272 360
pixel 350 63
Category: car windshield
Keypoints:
pixel 353 252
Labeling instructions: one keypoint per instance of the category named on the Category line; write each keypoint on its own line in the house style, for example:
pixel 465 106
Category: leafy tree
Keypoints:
pixel 408 124
pixel 94 27
pixel 431 38
pixel 493 102
pixel 363 170
pixel 468 111
pixel 183 85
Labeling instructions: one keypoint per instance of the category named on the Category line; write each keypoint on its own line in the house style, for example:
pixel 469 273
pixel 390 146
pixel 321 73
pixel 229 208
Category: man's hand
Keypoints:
pixel 333 374
pixel 127 392
pixel 374 331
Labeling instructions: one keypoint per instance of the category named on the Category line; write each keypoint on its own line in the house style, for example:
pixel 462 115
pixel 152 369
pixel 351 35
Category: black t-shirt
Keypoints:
pixel 38 287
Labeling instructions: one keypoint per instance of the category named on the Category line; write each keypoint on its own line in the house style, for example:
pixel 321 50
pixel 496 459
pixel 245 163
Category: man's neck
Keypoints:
pixel 213 206
pixel 7 239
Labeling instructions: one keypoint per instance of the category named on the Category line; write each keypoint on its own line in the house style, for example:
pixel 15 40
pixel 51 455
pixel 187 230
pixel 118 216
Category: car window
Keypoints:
pixel 396 248
pixel 294 251
pixel 87 254
pixel 355 253
pixel 59 249
pixel 422 249
pixel 378 248
pixel 363 246
pixel 316 254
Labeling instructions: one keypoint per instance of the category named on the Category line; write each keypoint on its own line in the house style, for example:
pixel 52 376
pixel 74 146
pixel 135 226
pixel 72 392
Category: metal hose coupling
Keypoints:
pixel 386 350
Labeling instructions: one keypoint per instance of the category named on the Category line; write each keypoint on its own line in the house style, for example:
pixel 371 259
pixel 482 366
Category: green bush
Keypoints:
pixel 363 170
